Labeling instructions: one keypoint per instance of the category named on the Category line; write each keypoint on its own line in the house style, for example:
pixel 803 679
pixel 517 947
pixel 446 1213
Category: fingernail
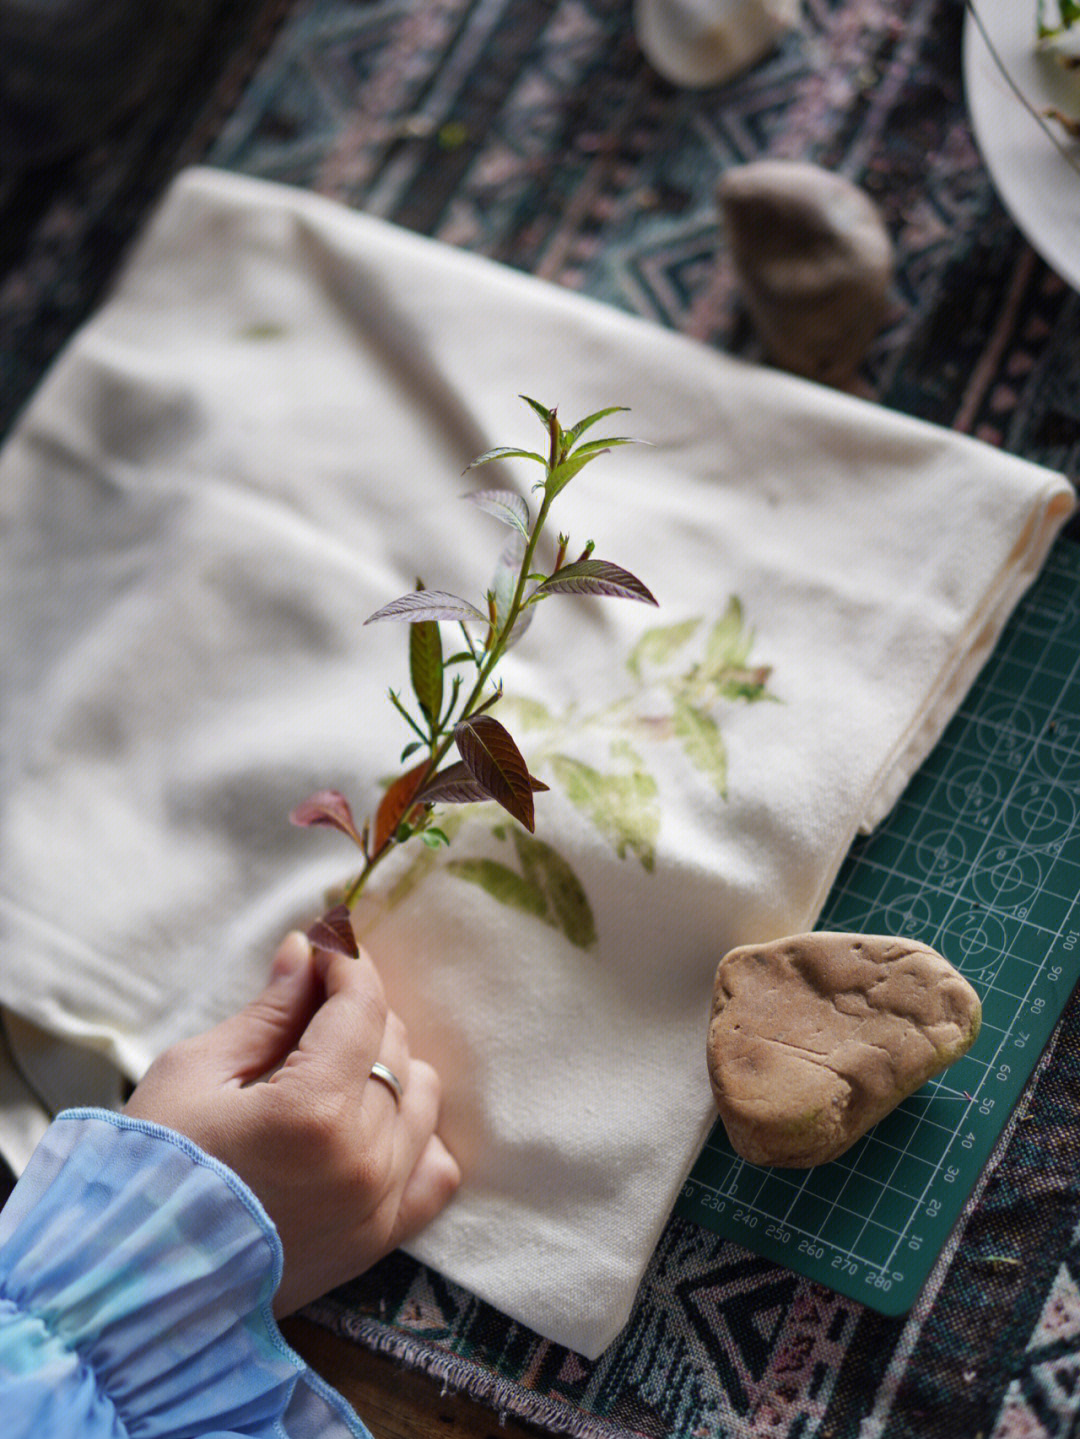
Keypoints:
pixel 294 951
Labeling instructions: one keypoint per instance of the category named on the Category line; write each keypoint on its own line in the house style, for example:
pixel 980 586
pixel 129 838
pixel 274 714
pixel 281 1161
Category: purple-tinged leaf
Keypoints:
pixel 427 605
pixel 453 785
pixel 596 577
pixel 456 784
pixel 495 762
pixel 334 932
pixel 327 807
pixel 504 582
pixel 426 666
pixel 503 452
pixel 396 803
pixel 505 505
pixel 521 624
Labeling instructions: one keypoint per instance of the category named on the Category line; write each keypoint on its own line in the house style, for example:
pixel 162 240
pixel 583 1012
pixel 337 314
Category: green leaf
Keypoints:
pixel 426 666
pixel 562 474
pixel 494 760
pixel 504 452
pixel 434 837
pixel 542 410
pixel 576 431
pixel 596 577
pixel 409 749
pixel 624 806
pixel 546 870
pixel 600 447
pixel 501 883
pixel 660 644
pixel 702 743
pixel 505 505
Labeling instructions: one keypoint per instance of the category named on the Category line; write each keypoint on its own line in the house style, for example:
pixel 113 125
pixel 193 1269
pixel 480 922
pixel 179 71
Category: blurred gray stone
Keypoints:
pixel 814 263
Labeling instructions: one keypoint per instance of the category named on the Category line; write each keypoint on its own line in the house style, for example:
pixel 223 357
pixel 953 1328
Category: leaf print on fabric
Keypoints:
pixel 623 805
pixel 723 672
pixel 660 644
pixel 696 670
pixel 728 643
pixel 548 871
pixel 502 884
pixel 546 886
pixel 702 743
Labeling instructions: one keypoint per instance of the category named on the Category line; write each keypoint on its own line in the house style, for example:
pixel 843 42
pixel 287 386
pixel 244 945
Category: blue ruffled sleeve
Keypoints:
pixel 137 1276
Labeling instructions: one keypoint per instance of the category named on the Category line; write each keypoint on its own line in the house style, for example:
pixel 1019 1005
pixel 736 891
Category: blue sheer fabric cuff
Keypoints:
pixel 137 1276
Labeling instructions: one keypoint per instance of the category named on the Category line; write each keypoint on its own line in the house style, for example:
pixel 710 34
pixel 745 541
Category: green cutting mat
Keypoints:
pixel 981 859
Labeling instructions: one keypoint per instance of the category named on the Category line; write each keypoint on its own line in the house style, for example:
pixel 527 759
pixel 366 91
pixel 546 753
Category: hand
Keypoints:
pixel 344 1171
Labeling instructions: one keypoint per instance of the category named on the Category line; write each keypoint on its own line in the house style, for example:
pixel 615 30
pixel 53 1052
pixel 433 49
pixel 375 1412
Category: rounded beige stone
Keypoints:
pixel 814 263
pixel 814 1038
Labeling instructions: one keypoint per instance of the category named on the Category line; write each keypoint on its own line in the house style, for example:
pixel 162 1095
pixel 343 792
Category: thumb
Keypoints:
pixel 258 1037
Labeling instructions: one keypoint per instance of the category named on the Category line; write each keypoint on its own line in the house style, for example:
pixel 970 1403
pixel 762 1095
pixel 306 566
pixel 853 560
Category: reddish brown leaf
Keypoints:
pixel 334 932
pixel 396 803
pixel 453 785
pixel 495 762
pixel 456 785
pixel 327 807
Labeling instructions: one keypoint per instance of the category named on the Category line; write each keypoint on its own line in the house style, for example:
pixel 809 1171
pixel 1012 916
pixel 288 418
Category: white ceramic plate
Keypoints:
pixel 1036 182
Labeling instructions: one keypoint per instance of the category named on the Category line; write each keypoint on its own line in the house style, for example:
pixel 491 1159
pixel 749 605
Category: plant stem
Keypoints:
pixel 442 736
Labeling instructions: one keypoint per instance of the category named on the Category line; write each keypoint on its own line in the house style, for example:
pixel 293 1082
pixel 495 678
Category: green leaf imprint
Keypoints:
pixel 702 742
pixel 546 870
pixel 502 884
pixel 729 642
pixel 660 644
pixel 624 806
pixel 530 714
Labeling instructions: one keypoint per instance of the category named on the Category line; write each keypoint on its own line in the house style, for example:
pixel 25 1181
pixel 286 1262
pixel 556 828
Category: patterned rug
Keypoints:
pixel 537 134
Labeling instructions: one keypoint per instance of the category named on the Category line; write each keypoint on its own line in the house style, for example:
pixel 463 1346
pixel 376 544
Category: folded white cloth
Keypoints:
pixel 259 440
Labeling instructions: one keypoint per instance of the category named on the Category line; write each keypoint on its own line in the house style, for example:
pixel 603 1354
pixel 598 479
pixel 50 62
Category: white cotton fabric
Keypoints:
pixel 257 441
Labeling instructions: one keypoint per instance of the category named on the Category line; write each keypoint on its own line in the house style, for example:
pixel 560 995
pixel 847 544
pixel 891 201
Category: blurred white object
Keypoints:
pixel 696 43
pixel 1009 81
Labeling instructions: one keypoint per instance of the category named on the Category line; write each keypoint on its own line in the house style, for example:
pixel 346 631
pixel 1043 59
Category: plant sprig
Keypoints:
pixel 451 709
